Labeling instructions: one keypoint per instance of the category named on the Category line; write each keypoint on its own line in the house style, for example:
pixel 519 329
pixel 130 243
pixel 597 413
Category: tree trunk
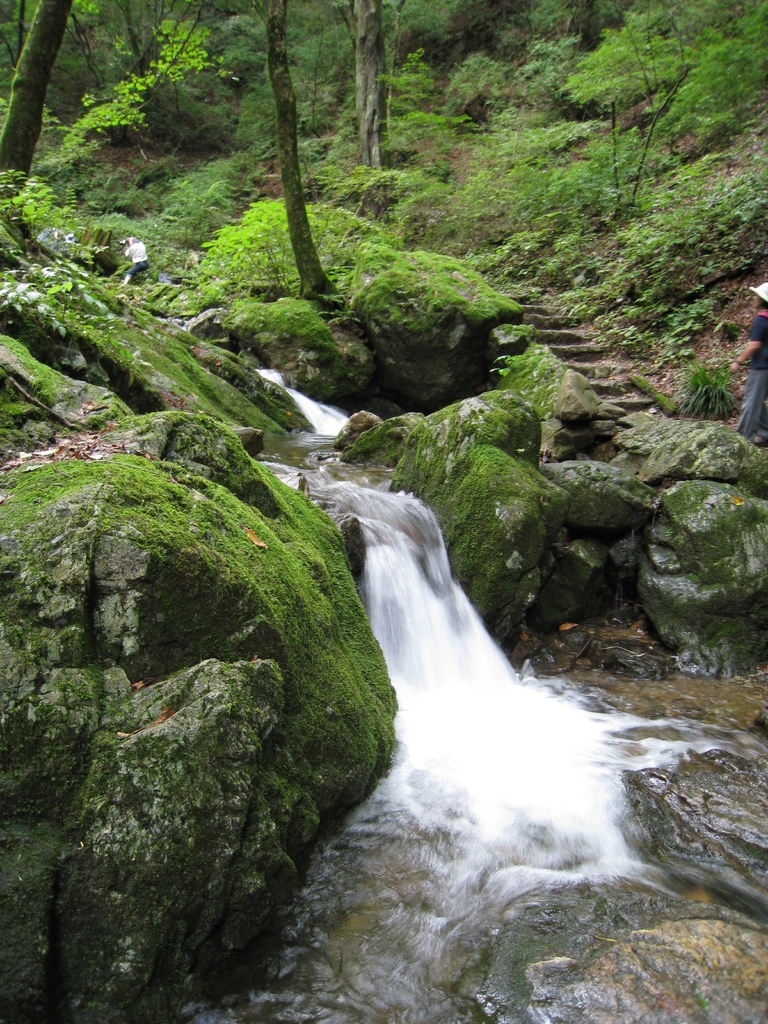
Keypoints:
pixel 30 84
pixel 370 95
pixel 311 273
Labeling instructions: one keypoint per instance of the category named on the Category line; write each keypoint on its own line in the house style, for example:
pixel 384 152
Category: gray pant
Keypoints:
pixel 754 417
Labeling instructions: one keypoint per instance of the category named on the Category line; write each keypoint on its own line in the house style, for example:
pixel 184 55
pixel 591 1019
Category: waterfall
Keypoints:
pixel 326 420
pixel 501 789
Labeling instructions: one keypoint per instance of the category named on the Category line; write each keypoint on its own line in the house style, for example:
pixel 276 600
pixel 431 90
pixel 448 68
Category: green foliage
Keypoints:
pixel 182 53
pixel 707 394
pixel 29 201
pixel 636 62
pixel 254 257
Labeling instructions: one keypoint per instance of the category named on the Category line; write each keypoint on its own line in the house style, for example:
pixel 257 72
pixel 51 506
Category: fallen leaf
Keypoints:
pixel 568 625
pixel 254 539
pixel 164 715
pixel 124 735
pixel 736 500
pixel 524 635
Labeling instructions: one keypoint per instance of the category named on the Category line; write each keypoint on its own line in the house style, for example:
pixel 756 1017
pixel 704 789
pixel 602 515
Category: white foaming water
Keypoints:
pixel 501 788
pixel 326 420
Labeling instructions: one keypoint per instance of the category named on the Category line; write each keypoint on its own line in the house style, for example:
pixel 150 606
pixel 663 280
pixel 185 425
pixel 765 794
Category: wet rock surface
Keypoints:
pixel 620 958
pixel 710 814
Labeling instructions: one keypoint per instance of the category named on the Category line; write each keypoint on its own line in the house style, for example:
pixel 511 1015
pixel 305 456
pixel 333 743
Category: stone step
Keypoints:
pixel 583 354
pixel 596 372
pixel 536 310
pixel 563 337
pixel 545 321
pixel 607 386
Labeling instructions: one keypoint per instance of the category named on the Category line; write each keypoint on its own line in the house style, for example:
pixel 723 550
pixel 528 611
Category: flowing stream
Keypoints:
pixel 502 788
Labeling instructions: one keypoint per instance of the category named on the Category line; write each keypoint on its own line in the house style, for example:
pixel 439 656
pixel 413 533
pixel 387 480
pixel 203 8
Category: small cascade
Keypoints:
pixel 502 788
pixel 326 420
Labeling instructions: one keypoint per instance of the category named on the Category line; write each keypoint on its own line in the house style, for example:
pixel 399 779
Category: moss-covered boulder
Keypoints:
pixel 602 498
pixel 536 374
pixel 702 578
pixel 659 449
pixel 291 336
pixel 30 389
pixel 88 334
pixel 428 318
pixel 239 371
pixel 384 444
pixel 475 464
pixel 188 686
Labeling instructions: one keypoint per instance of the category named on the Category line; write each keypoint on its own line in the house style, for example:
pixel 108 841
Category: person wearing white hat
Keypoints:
pixel 754 417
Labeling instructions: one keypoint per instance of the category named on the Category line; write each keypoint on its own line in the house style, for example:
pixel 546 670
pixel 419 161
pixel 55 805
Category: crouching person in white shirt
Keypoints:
pixel 137 253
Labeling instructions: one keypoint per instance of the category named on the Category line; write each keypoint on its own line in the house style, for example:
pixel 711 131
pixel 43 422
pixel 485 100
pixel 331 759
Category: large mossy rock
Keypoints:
pixel 602 498
pixel 536 374
pixel 83 405
pixel 660 450
pixel 428 318
pixel 147 363
pixel 703 581
pixel 238 370
pixel 291 336
pixel 384 444
pixel 621 958
pixel 189 685
pixel 475 464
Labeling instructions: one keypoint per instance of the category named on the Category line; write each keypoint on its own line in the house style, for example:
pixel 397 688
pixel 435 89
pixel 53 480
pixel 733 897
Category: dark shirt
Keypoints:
pixel 759 332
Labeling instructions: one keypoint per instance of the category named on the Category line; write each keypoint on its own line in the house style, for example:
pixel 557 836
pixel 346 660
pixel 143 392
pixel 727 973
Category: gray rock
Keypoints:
pixel 576 588
pixel 609 957
pixel 252 439
pixel 576 401
pixel 660 450
pixel 208 325
pixel 710 814
pixel 354 542
pixel 357 424
pixel 563 442
pixel 602 497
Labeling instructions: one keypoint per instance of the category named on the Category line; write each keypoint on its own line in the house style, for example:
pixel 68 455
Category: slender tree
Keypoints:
pixel 370 94
pixel 311 274
pixel 30 84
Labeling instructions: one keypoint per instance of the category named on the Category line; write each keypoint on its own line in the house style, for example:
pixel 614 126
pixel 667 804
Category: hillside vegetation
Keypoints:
pixel 609 155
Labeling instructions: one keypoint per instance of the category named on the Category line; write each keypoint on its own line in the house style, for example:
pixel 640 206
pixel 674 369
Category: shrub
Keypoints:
pixel 706 393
